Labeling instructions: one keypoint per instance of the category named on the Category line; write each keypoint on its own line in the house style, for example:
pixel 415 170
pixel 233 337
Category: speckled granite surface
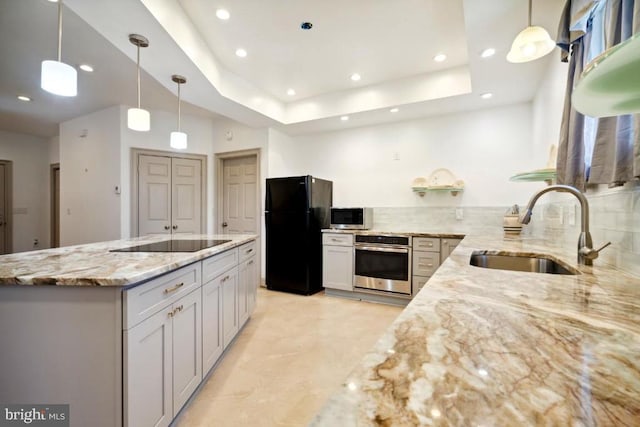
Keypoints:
pixel 482 347
pixel 94 265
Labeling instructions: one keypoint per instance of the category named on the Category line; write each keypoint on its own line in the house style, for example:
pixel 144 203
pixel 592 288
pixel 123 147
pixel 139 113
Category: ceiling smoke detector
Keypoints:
pixel 306 25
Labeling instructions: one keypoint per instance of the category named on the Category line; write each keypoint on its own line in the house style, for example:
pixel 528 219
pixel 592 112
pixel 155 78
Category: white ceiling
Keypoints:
pixel 391 43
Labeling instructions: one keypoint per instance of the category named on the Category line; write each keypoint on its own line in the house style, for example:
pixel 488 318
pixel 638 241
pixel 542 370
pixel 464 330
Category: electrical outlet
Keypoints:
pixel 459 214
pixel 396 155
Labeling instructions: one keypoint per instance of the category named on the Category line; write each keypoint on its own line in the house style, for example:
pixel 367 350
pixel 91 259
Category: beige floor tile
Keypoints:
pixel 292 354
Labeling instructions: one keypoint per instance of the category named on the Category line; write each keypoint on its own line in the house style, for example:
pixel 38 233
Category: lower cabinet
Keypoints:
pixel 337 261
pixel 447 246
pixel 176 329
pixel 163 362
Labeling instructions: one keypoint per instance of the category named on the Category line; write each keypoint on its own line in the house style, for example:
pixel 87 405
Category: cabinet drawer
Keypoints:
pixel 336 239
pixel 147 299
pixel 218 264
pixel 425 263
pixel 427 244
pixel 417 283
pixel 247 250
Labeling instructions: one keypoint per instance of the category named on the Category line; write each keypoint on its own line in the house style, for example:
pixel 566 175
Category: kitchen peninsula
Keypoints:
pixel 480 346
pixel 124 338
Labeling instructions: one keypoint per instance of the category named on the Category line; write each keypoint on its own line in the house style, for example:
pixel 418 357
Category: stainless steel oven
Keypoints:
pixel 383 263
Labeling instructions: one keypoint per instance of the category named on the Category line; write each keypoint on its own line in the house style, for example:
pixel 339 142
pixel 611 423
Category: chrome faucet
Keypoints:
pixel 586 253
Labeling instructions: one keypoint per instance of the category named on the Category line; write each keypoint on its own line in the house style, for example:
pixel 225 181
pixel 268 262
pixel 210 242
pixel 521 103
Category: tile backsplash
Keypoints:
pixel 614 217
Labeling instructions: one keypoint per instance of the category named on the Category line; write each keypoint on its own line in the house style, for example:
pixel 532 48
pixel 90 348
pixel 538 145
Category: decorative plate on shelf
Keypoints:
pixel 442 178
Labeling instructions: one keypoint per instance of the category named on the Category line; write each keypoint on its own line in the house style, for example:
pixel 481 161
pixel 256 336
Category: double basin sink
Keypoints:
pixel 526 263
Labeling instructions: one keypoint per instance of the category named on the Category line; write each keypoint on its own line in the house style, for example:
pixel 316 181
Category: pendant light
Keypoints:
pixel 57 77
pixel 138 118
pixel 178 138
pixel 532 43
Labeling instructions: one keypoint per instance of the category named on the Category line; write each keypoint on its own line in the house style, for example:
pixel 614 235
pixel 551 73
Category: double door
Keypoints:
pixel 169 195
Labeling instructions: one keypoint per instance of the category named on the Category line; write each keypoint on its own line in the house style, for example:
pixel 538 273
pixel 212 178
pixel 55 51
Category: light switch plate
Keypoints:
pixel 459 214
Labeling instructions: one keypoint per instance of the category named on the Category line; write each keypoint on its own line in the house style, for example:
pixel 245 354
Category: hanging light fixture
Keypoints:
pixel 532 43
pixel 138 118
pixel 57 77
pixel 178 138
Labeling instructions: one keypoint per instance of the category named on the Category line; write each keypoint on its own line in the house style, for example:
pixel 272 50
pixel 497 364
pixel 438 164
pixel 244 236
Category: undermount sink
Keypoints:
pixel 527 263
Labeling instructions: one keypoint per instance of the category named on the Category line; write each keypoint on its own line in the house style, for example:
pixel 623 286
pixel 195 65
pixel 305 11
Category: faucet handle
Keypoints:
pixel 590 253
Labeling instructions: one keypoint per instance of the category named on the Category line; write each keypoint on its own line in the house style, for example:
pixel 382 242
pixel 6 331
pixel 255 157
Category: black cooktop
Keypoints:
pixel 174 246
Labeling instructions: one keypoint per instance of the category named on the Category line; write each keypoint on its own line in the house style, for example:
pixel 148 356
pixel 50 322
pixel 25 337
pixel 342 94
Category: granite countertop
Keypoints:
pixel 445 234
pixel 93 265
pixel 482 347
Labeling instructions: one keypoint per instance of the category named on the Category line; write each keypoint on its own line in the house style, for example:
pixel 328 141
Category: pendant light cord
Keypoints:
pixel 178 107
pixel 530 8
pixel 60 31
pixel 138 70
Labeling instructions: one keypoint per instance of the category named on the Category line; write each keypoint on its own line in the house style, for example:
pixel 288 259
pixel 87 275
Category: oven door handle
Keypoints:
pixel 381 249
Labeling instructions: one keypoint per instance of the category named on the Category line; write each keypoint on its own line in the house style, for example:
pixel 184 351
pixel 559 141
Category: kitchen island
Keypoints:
pixel 123 338
pixel 485 347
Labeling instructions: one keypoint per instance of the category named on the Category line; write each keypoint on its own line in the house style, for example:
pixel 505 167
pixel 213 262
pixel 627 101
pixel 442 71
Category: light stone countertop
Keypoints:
pixel 483 347
pixel 93 265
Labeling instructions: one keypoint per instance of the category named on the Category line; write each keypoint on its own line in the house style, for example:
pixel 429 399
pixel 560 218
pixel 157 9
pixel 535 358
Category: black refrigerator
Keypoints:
pixel 296 210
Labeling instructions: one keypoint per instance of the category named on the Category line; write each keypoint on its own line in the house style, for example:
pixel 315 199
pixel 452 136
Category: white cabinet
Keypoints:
pixel 163 362
pixel 337 261
pixel 212 343
pixel 247 289
pixel 426 260
pixel 230 326
pixel 446 247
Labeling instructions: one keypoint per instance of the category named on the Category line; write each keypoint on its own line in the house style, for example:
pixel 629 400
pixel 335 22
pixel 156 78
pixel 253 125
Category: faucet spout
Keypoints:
pixel 586 253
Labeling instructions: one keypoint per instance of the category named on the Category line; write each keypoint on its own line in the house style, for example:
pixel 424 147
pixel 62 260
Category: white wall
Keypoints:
pixel 200 135
pixel 483 148
pixel 89 172
pixel 547 111
pixel 30 157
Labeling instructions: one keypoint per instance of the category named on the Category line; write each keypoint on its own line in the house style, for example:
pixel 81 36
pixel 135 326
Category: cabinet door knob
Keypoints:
pixel 175 227
pixel 166 227
pixel 224 224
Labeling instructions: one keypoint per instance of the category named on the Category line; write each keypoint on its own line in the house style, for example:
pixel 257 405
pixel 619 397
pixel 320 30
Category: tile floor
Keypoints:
pixel 291 355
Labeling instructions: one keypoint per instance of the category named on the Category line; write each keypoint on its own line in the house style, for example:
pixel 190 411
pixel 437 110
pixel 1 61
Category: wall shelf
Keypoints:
pixel 609 85
pixel 441 180
pixel 546 175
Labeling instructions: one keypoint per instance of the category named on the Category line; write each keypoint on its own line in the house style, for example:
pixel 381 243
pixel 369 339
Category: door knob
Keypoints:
pixel 224 224
pixel 175 227
pixel 166 227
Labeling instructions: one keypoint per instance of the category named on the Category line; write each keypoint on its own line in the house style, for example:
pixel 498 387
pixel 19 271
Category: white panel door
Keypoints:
pixel 239 198
pixel 148 372
pixel 154 195
pixel 186 194
pixel 187 348
pixel 3 212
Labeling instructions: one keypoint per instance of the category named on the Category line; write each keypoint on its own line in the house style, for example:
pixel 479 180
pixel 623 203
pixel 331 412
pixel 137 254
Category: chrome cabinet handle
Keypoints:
pixel 250 262
pixel 248 251
pixel 174 288
pixel 225 278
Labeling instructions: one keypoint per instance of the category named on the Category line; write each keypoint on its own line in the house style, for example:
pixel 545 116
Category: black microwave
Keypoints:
pixel 352 218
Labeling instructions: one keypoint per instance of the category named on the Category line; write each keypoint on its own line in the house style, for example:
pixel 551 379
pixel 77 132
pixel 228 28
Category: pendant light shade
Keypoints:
pixel 178 138
pixel 57 77
pixel 138 118
pixel 532 43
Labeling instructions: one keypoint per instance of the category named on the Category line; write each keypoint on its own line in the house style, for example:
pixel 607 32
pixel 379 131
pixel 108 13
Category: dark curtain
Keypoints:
pixel 587 27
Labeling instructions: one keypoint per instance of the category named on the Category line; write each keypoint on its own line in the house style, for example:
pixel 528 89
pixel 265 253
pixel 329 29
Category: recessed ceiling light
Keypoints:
pixel 53 1
pixel 223 14
pixel 487 53
pixel 291 92
pixel 241 53
pixel 394 110
pixel 355 77
pixel 24 98
pixel 440 57
pixel 86 67
pixel 344 118
pixel 486 95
